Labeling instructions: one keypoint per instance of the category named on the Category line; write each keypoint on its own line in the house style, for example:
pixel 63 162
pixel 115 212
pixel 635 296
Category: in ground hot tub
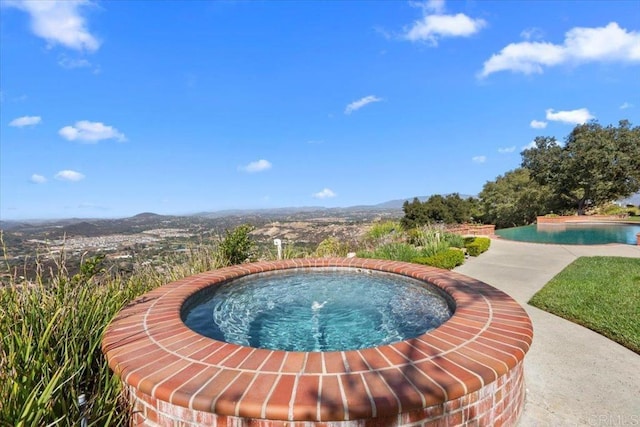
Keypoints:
pixel 468 370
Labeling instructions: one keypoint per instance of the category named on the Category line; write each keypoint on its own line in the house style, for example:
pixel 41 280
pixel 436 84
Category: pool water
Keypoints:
pixel 573 233
pixel 319 311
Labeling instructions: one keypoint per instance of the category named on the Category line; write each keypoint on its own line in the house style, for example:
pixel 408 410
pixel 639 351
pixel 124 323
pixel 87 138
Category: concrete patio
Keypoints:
pixel 574 376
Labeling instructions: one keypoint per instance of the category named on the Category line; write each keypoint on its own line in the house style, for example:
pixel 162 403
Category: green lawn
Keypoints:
pixel 600 293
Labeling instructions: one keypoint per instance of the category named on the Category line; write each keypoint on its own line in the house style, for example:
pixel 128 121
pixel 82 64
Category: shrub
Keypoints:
pixel 425 235
pixel 473 249
pixel 382 233
pixel 611 209
pixel 332 247
pixel 447 259
pixel 237 246
pixel 291 252
pixel 429 239
pixel 392 251
pixel 484 243
pixel 382 229
pixel 477 245
pixel 454 240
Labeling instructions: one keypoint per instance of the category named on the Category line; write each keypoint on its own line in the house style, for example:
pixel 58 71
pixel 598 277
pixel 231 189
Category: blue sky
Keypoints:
pixel 109 109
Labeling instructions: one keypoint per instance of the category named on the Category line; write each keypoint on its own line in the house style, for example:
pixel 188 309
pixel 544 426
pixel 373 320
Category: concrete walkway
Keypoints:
pixel 574 376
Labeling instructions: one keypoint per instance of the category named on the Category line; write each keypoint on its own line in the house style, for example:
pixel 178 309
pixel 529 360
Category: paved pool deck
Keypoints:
pixel 574 376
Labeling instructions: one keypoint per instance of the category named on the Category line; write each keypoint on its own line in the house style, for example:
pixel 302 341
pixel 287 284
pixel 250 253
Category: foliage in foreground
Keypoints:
pixel 50 349
pixel 51 332
pixel 429 245
pixel 600 293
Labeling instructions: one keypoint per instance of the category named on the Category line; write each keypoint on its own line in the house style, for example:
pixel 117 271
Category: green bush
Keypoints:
pixel 454 240
pixel 477 245
pixel 429 240
pixel 447 259
pixel 237 246
pixel 382 233
pixel 484 243
pixel 392 251
pixel 382 229
pixel 332 247
pixel 473 249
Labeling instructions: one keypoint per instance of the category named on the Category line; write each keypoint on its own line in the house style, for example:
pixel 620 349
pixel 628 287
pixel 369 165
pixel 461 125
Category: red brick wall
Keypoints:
pixel 497 403
pixel 473 230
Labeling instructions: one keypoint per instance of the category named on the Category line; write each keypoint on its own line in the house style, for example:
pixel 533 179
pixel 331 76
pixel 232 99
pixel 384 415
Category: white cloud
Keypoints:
pixel 356 105
pixel 25 121
pixel 581 45
pixel 525 57
pixel 479 159
pixel 626 105
pixel 257 166
pixel 436 25
pixel 532 33
pixel 58 22
pixel 37 179
pixel 537 124
pixel 574 117
pixel 436 6
pixel 532 144
pixel 69 175
pixel 324 194
pixel 91 132
pixel 507 149
pixel 70 63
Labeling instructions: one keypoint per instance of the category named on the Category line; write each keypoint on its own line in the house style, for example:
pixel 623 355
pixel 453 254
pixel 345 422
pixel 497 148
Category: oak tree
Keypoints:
pixel 595 165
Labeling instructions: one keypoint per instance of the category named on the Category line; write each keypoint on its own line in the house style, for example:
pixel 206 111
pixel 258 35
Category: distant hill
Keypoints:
pixel 148 220
pixel 82 229
pixel 391 205
pixel 12 225
pixel 146 215
pixel 268 211
pixel 397 204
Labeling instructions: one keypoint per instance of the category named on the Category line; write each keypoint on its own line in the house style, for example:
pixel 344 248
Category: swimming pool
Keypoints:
pixel 569 233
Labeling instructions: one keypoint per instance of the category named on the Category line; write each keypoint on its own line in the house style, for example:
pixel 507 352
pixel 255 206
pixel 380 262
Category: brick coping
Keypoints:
pixel 152 350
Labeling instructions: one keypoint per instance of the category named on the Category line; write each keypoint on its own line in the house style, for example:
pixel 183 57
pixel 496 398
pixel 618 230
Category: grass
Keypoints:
pixel 600 293
pixel 50 336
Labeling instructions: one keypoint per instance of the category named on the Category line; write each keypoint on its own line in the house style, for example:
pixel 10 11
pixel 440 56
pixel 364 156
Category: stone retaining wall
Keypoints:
pixel 473 230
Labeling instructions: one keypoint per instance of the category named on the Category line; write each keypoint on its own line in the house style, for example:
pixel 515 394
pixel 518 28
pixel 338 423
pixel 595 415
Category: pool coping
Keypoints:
pixel 151 349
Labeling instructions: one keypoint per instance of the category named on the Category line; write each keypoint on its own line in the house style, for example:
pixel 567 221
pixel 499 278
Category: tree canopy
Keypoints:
pixel 449 209
pixel 514 199
pixel 596 164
